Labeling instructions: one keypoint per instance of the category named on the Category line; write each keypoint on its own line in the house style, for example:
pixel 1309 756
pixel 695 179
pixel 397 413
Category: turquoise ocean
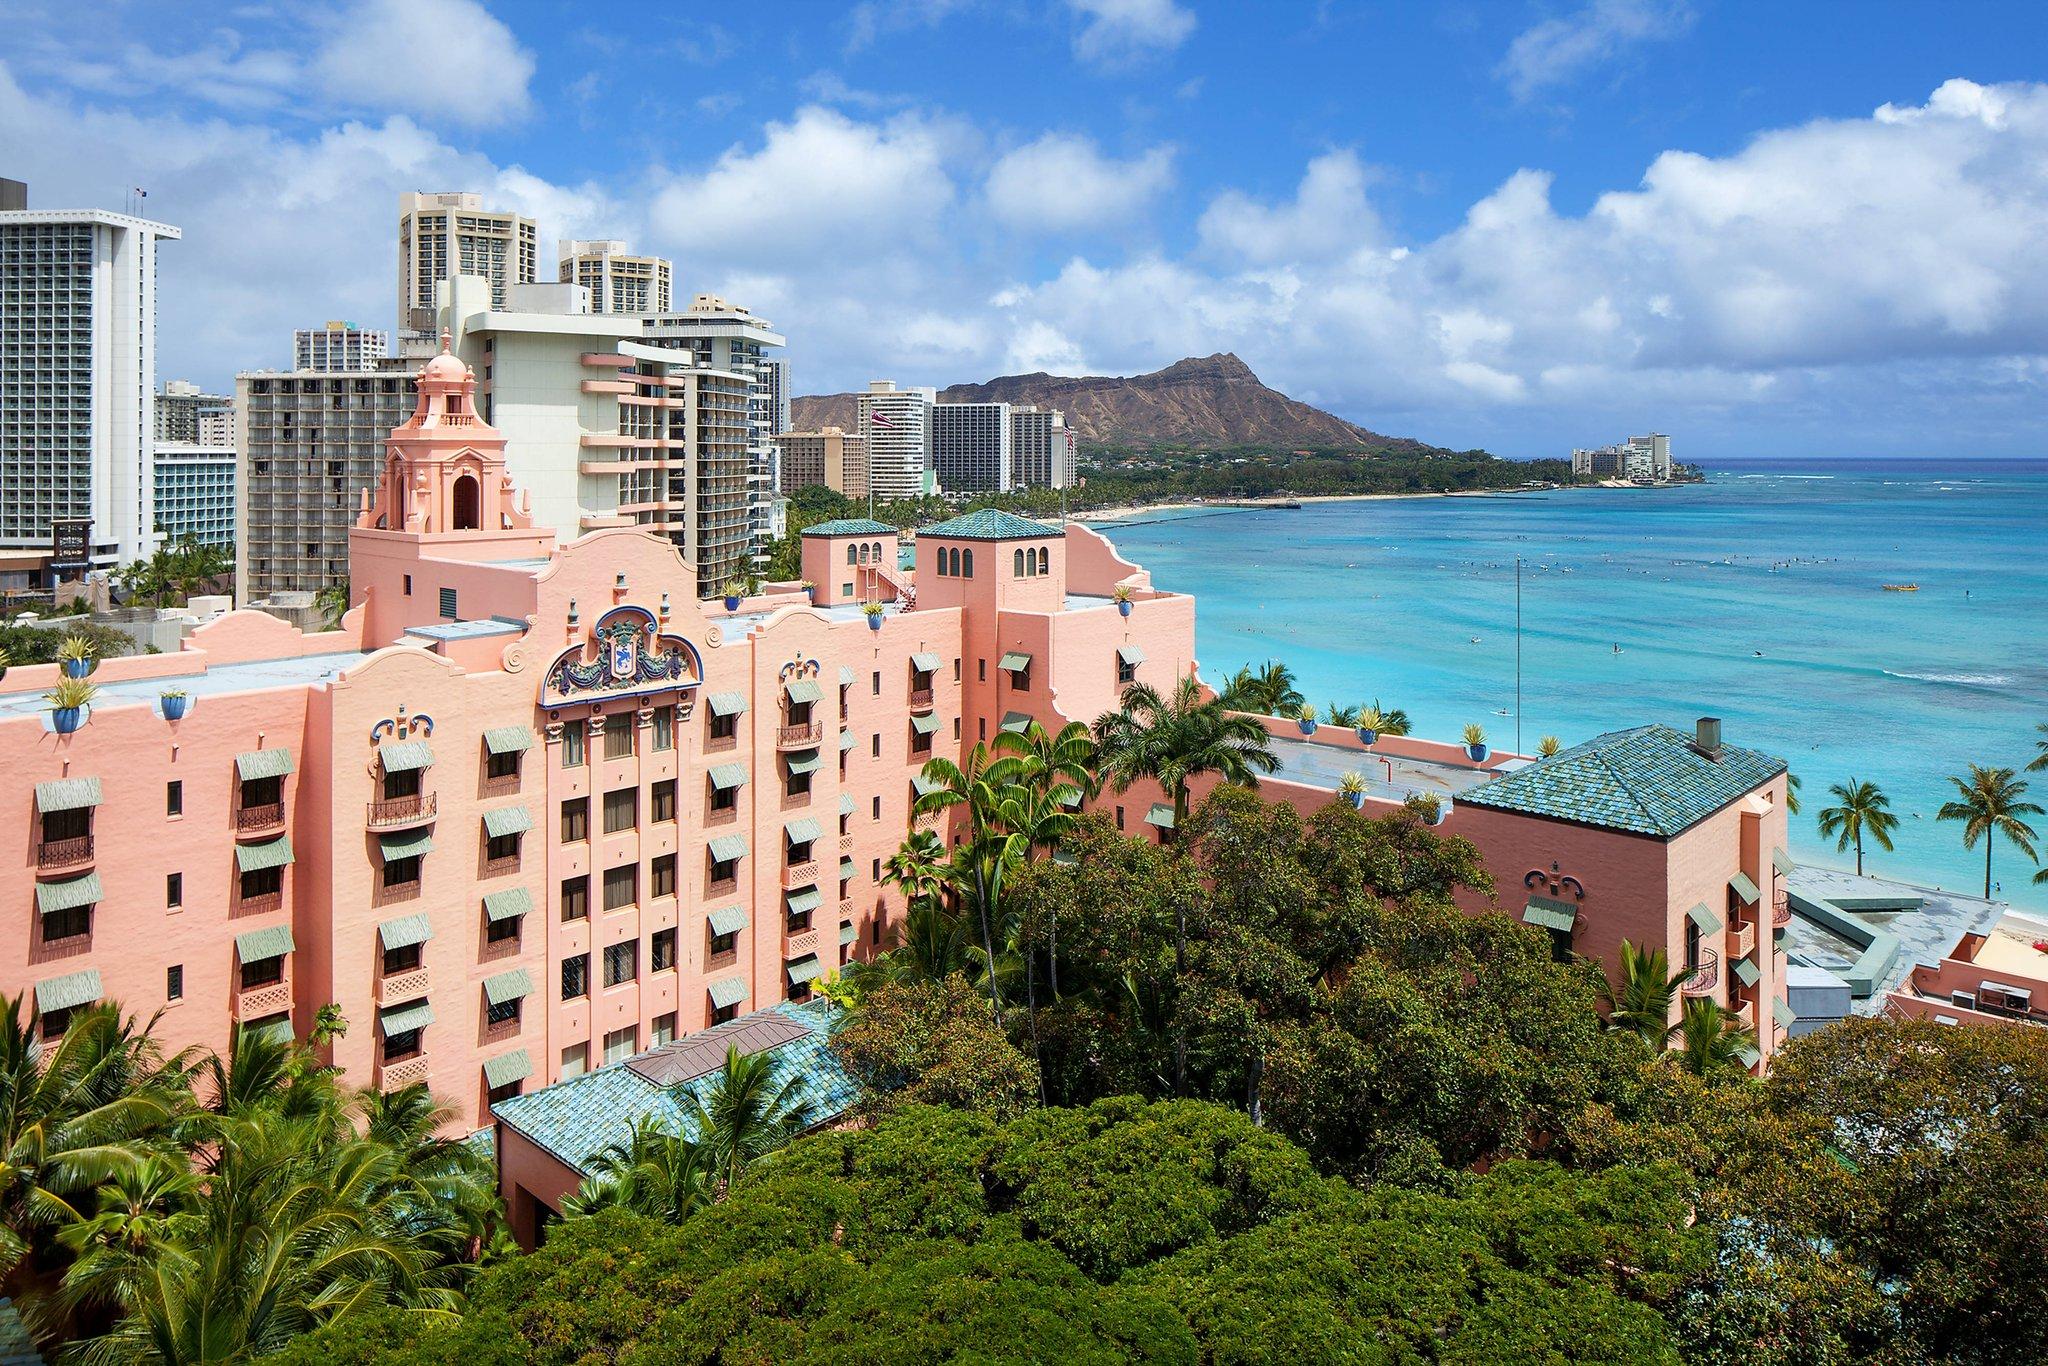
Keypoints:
pixel 1756 596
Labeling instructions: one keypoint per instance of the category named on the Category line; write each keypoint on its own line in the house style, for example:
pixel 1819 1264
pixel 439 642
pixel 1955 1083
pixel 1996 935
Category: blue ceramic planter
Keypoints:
pixel 1478 753
pixel 77 668
pixel 1307 727
pixel 875 623
pixel 1123 609
pixel 1357 799
pixel 1367 736
pixel 67 719
pixel 175 707
pixel 732 604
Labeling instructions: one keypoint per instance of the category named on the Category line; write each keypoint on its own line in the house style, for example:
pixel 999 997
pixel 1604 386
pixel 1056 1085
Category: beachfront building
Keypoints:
pixel 186 415
pixel 831 457
pixel 195 493
pixel 971 446
pixel 897 425
pixel 535 806
pixel 1646 458
pixel 1998 976
pixel 618 281
pixel 442 236
pixel 339 345
pixel 1042 449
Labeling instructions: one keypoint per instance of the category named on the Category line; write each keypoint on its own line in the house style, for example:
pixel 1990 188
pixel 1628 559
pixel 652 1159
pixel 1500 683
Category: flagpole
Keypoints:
pixel 1518 654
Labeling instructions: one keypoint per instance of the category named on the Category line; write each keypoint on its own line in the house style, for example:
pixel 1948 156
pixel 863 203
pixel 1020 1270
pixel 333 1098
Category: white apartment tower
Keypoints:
pixel 339 345
pixel 897 424
pixel 188 416
pixel 78 379
pixel 618 281
pixel 444 235
pixel 971 447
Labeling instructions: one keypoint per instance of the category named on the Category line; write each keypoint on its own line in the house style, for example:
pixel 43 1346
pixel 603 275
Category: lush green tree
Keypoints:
pixel 651 1172
pixel 1711 1041
pixel 2039 762
pixel 932 1042
pixel 1393 720
pixel 1992 802
pixel 1641 1004
pixel 982 864
pixel 1860 809
pixel 39 644
pixel 332 603
pixel 745 1113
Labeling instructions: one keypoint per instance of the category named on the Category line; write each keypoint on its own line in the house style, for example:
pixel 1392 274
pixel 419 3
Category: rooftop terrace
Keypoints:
pixel 1851 926
pixel 1390 778
pixel 295 671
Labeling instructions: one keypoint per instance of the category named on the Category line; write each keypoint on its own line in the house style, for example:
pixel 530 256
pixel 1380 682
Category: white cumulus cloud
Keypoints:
pixel 1557 51
pixel 1063 181
pixel 1116 33
pixel 449 59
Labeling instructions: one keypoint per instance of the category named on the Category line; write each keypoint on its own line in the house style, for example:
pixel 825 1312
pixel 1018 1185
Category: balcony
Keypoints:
pixel 846 908
pixel 391 1076
pixel 63 855
pixel 803 874
pixel 398 812
pixel 805 736
pixel 801 943
pixel 1706 975
pixel 261 819
pixel 262 903
pixel 1781 910
pixel 846 844
pixel 1741 939
pixel 920 697
pixel 498 867
pixel 268 999
pixel 402 986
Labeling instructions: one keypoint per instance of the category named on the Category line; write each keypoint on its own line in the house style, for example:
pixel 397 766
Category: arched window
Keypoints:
pixel 953 557
pixel 850 555
pixel 877 548
pixel 968 571
pixel 469 497
pixel 1044 560
pixel 863 554
pixel 1017 564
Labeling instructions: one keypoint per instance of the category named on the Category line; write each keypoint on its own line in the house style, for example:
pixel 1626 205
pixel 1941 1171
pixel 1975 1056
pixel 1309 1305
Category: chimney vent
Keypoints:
pixel 1707 736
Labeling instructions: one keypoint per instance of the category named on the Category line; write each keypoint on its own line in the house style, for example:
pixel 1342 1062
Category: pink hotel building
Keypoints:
pixel 535 807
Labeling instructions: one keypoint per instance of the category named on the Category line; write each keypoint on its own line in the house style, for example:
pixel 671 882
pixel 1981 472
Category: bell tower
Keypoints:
pixel 444 469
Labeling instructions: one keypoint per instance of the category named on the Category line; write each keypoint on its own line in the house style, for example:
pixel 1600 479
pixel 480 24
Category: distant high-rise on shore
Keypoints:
pixel 188 416
pixel 618 281
pixel 339 345
pixel 897 424
pixel 830 457
pixel 1639 457
pixel 440 235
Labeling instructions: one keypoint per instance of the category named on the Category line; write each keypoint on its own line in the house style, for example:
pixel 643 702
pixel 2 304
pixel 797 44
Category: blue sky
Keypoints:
pixel 1767 229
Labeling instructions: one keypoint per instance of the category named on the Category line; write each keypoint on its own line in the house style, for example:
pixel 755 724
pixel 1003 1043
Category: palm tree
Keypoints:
pixel 1642 1004
pixel 919 867
pixel 978 866
pixel 1992 804
pixel 1860 809
pixel 1337 714
pixel 332 603
pixel 1392 722
pixel 1711 1039
pixel 745 1114
pixel 2040 759
pixel 652 1173
pixel 1048 759
pixel 1277 690
pixel 1791 793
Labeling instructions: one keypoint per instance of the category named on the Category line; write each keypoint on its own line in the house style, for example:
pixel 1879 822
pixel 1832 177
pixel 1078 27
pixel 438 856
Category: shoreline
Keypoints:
pixel 1117 514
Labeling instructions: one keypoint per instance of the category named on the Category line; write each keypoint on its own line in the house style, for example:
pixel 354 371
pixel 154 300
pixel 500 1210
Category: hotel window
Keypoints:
pixel 576 977
pixel 1126 671
pixel 618 1045
pixel 621 887
pixel 498 1095
pixel 575 897
pixel 263 971
pixel 724 727
pixel 665 801
pixel 967 564
pixel 796 783
pixel 404 782
pixel 174 890
pixel 501 766
pixel 664 1029
pixel 724 798
pixel 499 847
pixel 724 870
pixel 621 809
pixel 981 670
pixel 500 931
pixel 449 610
pixel 799 920
pixel 800 852
pixel 576 820
pixel 874 808
pixel 572 744
pixel 877 685
pixel 662 875
pixel 621 962
pixel 662 956
pixel 502 1012
pixel 664 728
pixel 401 1045
pixel 404 958
pixel 618 737
pixel 174 797
pixel 1119 818
pixel 575 1060
pixel 260 882
pixel 174 982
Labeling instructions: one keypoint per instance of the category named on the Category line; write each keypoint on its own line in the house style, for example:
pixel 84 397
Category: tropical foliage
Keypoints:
pixel 174 572
pixel 1860 809
pixel 1991 803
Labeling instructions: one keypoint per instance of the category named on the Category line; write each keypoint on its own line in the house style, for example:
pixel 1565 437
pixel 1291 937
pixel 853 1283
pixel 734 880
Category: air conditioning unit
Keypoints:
pixel 1966 999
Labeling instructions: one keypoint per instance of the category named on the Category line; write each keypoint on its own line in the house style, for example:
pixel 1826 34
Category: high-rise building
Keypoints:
pixel 1646 458
pixel 444 235
pixel 186 416
pixel 195 492
pixel 78 382
pixel 775 379
pixel 971 447
pixel 897 425
pixel 1042 449
pixel 830 456
pixel 339 345
pixel 618 281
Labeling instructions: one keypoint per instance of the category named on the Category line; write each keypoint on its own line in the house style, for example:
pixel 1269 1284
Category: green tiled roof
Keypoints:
pixel 728 919
pixel 726 703
pixel 509 904
pixel 1744 888
pixel 803 690
pixel 263 763
pixel 508 739
pixel 406 756
pixel 405 931
pixel 507 1068
pixel 1648 780
pixel 804 899
pixel 1550 913
pixel 575 1120
pixel 988 524
pixel 850 526
pixel 804 969
pixel 508 986
pixel 507 820
pixel 726 848
pixel 727 776
pixel 802 830
pixel 63 896
pixel 727 991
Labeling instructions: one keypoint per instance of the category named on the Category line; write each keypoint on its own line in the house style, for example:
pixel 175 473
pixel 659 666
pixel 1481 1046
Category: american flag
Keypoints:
pixel 881 421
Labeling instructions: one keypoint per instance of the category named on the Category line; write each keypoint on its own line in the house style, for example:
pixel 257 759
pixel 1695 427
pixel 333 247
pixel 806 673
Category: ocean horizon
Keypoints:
pixel 1757 596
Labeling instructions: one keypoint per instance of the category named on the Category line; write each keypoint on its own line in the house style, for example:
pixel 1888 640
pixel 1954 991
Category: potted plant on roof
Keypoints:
pixel 873 611
pixel 810 590
pixel 1352 788
pixel 1475 743
pixel 1123 599
pixel 4 662
pixel 176 702
pixel 69 699
pixel 1305 717
pixel 1433 807
pixel 1369 720
pixel 77 656
pixel 1548 747
pixel 735 589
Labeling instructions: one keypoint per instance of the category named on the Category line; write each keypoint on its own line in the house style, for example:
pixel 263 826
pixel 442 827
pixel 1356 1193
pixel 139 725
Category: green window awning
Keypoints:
pixel 509 904
pixel 1708 922
pixel 923 786
pixel 263 763
pixel 728 991
pixel 1160 815
pixel 726 777
pixel 508 739
pixel 1130 654
pixel 805 761
pixel 406 1018
pixel 269 854
pixel 1744 888
pixel 1016 661
pixel 925 662
pixel 1750 1057
pixel 277 1031
pixel 802 690
pixel 846 677
pixel 804 969
pixel 507 1068
pixel 405 931
pixel 726 848
pixel 1783 1014
pixel 726 703
pixel 846 803
pixel 406 756
pixel 253 946
pixel 845 867
pixel 507 820
pixel 515 985
pixel 803 830
pixel 728 920
pixel 1746 971
pixel 405 844
pixel 67 992
pixel 1015 721
pixel 67 794
pixel 70 893
pixel 806 899
pixel 1550 913
pixel 1782 861
pixel 848 932
pixel 845 741
pixel 924 723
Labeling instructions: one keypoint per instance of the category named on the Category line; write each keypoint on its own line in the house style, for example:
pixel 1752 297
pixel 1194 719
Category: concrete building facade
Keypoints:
pixel 339 345
pixel 618 281
pixel 829 456
pixel 186 415
pixel 195 493
pixel 971 447
pixel 441 236
pixel 1043 451
pixel 897 426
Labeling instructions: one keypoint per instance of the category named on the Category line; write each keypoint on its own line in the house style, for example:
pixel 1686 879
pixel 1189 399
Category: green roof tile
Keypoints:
pixel 1648 780
pixel 850 526
pixel 989 524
